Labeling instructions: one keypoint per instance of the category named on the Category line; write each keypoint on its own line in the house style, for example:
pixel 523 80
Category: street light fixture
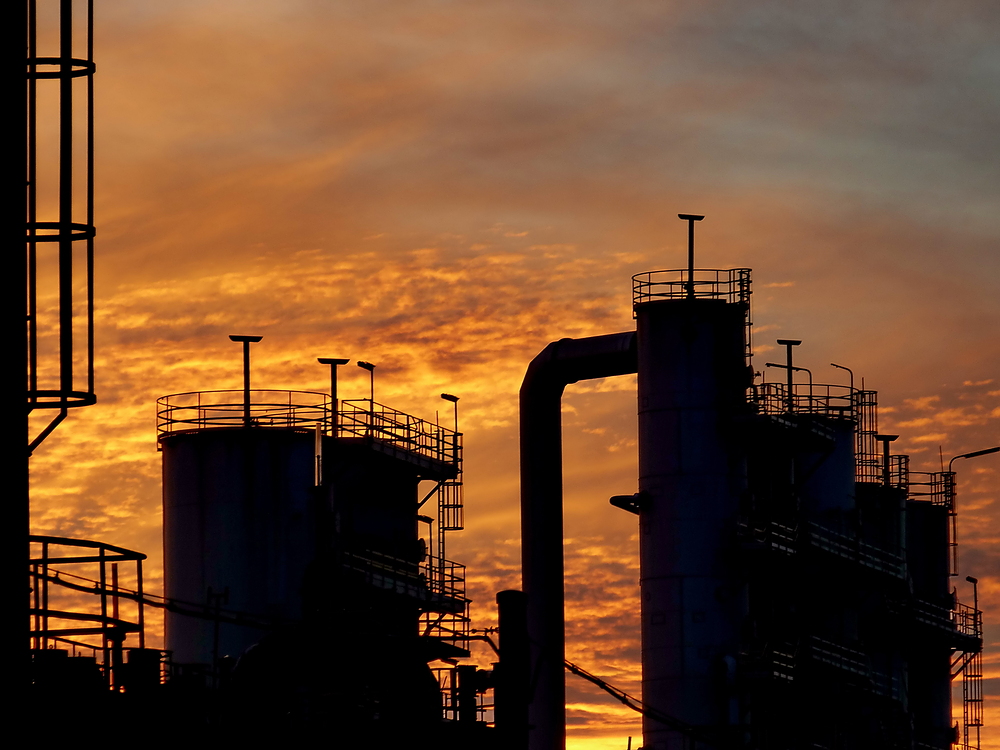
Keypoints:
pixel 975 593
pixel 246 341
pixel 984 452
pixel 885 440
pixel 849 372
pixel 371 372
pixel 454 400
pixel 788 344
pixel 690 219
pixel 806 370
pixel 334 363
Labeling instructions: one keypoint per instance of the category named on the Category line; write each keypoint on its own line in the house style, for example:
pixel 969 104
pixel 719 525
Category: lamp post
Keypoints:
pixel 984 452
pixel 806 370
pixel 246 341
pixel 690 219
pixel 454 447
pixel 334 364
pixel 885 440
pixel 454 400
pixel 788 344
pixel 975 595
pixel 371 380
pixel 849 372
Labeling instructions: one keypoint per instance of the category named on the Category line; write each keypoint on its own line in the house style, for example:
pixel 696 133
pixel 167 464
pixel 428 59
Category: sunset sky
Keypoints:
pixel 444 187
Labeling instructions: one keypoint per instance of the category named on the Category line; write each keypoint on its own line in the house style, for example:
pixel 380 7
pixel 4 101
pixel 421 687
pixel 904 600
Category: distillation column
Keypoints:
pixel 692 475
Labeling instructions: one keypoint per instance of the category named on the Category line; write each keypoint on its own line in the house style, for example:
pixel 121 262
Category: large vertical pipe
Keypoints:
pixel 560 363
pixel 692 383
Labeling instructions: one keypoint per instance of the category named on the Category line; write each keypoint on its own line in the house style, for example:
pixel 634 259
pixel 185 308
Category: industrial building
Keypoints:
pixel 797 579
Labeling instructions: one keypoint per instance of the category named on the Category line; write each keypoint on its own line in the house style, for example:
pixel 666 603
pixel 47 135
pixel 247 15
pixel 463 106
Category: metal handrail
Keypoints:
pixel 199 410
pixel 306 411
pixel 730 284
pixel 823 399
pixel 369 419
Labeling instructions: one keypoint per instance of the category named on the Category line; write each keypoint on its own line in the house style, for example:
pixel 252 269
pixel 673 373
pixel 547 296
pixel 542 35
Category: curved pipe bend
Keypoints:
pixel 556 366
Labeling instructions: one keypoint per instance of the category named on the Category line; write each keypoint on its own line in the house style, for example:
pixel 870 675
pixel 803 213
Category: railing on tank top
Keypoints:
pixel 822 399
pixel 306 411
pixel 729 284
pixel 367 418
pixel 202 410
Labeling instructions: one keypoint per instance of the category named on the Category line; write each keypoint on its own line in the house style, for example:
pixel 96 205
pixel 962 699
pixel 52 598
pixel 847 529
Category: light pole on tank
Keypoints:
pixel 246 341
pixel 454 401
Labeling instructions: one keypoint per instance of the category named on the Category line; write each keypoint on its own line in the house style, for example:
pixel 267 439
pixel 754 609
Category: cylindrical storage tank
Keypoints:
pixel 238 533
pixel 692 472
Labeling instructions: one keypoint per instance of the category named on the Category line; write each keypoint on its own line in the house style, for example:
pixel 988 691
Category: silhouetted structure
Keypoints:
pixel 795 575
pixel 60 216
pixel 48 289
pixel 308 527
pixel 301 595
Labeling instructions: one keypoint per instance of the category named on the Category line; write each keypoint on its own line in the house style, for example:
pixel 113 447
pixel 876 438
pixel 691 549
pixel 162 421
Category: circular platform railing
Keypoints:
pixel 730 284
pixel 204 410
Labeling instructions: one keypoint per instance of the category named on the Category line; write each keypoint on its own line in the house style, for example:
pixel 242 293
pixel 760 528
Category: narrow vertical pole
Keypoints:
pixel 45 593
pixel 36 586
pixel 115 610
pixel 90 200
pixel 119 636
pixel 690 259
pixel 790 396
pixel 65 197
pixel 32 200
pixel 334 363
pixel 246 383
pixel 454 446
pixel 791 379
pixel 371 387
pixel 142 613
pixel 106 637
pixel 690 219
pixel 886 472
pixel 246 341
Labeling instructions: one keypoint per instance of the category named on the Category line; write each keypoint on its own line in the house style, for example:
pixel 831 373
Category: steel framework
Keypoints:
pixel 60 210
